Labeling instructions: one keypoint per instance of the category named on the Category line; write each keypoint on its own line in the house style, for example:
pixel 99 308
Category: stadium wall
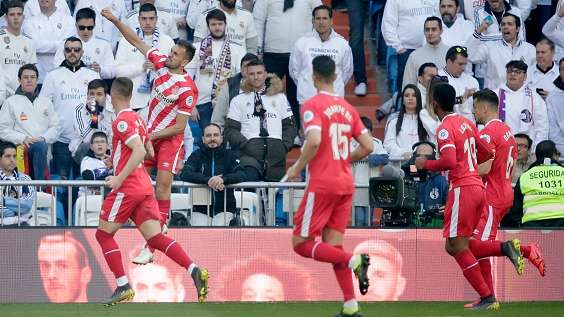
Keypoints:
pixel 66 265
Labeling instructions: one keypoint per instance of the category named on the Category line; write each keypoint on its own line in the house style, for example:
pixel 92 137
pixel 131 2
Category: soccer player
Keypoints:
pixel 461 150
pixel 497 178
pixel 329 124
pixel 173 97
pixel 132 198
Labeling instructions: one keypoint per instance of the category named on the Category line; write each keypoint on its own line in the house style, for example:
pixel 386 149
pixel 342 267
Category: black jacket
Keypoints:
pixel 205 163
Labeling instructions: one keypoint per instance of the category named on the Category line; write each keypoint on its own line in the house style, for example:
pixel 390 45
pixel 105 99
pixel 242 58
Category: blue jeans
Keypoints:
pixel 361 216
pixel 357 10
pixel 63 164
pixel 205 112
pixel 38 160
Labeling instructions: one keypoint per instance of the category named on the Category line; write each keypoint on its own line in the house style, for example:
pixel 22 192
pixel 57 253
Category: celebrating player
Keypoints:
pixel 132 198
pixel 173 97
pixel 330 123
pixel 461 150
pixel 497 173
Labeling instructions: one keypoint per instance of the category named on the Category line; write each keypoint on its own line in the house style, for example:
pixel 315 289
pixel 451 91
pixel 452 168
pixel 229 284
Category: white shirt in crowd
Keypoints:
pixel 461 84
pixel 165 22
pixel 493 32
pixel 554 30
pixel 398 145
pixel 402 20
pixel 94 51
pixel 458 33
pixel 427 54
pixel 497 54
pixel 129 63
pixel 82 130
pixel 277 109
pixel 204 80
pixel 20 118
pixel 537 79
pixel 278 30
pixel 197 7
pixel 525 7
pixel 306 49
pixel 177 9
pixel 105 29
pixel 18 50
pixel 67 89
pixel 31 8
pixel 555 112
pixel 525 112
pixel 48 33
pixel 240 28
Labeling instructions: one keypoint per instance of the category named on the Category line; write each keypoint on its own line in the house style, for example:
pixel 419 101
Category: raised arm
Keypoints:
pixel 128 34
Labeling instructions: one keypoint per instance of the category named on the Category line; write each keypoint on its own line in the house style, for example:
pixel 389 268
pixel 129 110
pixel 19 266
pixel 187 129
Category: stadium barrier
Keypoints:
pixel 258 264
pixel 258 203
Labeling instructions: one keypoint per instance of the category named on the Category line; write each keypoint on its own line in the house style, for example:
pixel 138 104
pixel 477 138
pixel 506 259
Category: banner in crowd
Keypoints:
pixel 66 265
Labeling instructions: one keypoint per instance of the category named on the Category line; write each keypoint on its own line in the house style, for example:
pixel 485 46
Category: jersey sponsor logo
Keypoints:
pixel 122 126
pixel 443 134
pixel 486 137
pixel 308 116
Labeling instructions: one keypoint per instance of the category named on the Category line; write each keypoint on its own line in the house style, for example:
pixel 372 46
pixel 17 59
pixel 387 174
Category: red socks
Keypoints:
pixel 111 251
pixel 486 269
pixel 526 250
pixel 170 248
pixel 472 273
pixel 344 277
pixel 483 249
pixel 323 252
pixel 164 207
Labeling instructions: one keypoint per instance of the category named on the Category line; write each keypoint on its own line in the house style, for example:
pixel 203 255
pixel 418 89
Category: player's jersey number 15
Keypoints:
pixel 339 140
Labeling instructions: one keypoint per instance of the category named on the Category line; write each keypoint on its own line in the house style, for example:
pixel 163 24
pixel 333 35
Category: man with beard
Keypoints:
pixel 456 29
pixel 218 58
pixel 172 100
pixel 215 166
pixel 240 26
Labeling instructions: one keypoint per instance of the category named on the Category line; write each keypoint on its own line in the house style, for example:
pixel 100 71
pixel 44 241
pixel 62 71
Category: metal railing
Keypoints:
pixel 260 209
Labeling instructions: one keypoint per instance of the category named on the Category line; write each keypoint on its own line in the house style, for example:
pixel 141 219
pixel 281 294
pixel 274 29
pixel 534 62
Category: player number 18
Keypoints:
pixel 339 140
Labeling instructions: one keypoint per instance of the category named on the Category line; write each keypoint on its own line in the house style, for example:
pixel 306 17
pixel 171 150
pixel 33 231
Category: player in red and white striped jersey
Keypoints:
pixel 173 98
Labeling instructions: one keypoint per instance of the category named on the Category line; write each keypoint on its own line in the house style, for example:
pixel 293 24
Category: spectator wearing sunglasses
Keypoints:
pixel 47 30
pixel 97 53
pixel 464 84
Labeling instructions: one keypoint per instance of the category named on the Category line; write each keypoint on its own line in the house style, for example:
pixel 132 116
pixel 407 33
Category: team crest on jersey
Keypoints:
pixel 122 126
pixel 242 24
pixel 6 40
pixel 486 137
pixel 308 116
pixel 443 134
pixel 98 51
pixel 434 194
pixel 189 100
pixel 59 26
pixel 25 49
pixel 526 116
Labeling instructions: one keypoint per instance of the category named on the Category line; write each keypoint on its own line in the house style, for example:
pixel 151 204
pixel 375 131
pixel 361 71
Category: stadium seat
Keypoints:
pixel 88 208
pixel 248 205
pixel 180 203
pixel 43 211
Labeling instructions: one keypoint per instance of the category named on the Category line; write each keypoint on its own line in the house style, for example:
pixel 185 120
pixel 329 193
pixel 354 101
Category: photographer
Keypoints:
pixel 96 114
pixel 432 187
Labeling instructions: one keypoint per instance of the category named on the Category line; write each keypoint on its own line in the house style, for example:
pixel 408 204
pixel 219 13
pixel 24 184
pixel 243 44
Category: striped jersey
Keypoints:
pixel 125 127
pixel 172 94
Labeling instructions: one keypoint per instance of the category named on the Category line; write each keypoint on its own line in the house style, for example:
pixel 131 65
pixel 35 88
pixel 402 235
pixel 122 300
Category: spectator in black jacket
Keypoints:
pixel 216 166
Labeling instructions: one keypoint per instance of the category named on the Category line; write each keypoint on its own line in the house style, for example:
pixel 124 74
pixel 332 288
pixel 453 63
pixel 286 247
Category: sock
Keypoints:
pixel 484 249
pixel 191 268
pixel 350 307
pixel 164 207
pixel 122 281
pixel 344 276
pixel 486 269
pixel 472 273
pixel 526 250
pixel 170 248
pixel 112 253
pixel 323 252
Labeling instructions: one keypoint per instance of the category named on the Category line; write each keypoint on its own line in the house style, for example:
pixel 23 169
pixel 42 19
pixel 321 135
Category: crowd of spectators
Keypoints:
pixel 252 67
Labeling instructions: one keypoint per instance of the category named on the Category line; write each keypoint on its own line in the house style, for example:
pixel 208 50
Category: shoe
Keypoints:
pixel 488 303
pixel 342 314
pixel 512 250
pixel 200 277
pixel 472 304
pixel 361 273
pixel 121 294
pixel 536 259
pixel 360 89
pixel 144 257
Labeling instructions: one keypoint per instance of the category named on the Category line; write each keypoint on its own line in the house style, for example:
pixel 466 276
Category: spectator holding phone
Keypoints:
pixel 541 75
